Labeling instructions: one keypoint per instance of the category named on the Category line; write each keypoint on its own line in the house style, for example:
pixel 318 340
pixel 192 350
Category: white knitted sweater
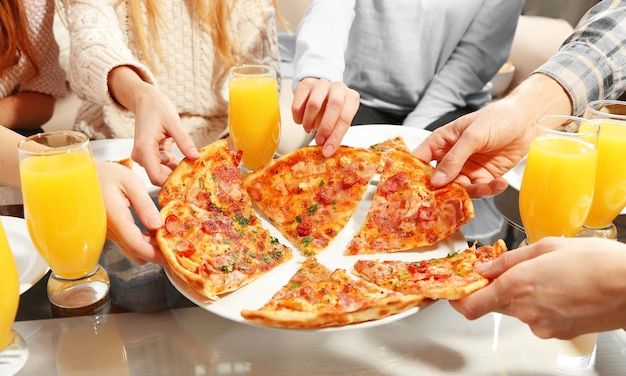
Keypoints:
pixel 51 78
pixel 192 77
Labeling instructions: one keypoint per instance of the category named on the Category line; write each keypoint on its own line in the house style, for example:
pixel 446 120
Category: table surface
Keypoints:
pixel 147 327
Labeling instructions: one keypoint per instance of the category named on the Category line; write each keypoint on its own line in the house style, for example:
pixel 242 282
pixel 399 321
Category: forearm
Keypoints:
pixel 26 110
pixel 127 87
pixel 8 157
pixel 540 95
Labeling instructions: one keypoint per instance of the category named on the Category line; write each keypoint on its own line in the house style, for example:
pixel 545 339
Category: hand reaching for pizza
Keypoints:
pixel 560 287
pixel 122 188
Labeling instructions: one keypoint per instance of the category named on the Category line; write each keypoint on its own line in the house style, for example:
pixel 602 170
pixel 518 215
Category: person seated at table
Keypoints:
pixel 157 70
pixel 560 287
pixel 31 78
pixel 410 62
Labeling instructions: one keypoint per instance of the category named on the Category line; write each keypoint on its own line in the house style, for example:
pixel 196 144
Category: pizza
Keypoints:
pixel 310 198
pixel 385 147
pixel 317 297
pixel 212 237
pixel 452 277
pixel 407 212
pixel 126 162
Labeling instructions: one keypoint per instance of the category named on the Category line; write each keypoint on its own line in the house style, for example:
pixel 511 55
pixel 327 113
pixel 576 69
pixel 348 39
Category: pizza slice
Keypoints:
pixel 309 197
pixel 407 212
pixel 317 297
pixel 212 238
pixel 396 143
pixel 452 277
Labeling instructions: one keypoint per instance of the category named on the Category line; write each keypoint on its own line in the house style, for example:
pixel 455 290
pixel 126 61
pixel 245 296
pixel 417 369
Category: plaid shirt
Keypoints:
pixel 591 63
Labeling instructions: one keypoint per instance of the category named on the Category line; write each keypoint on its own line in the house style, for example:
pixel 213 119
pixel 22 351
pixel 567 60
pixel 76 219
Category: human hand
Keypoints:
pixel 560 287
pixel 156 123
pixel 122 188
pixel 326 107
pixel 477 149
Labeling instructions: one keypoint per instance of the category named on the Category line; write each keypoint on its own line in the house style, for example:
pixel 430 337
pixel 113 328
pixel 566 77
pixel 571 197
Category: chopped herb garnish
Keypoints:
pixel 225 268
pixel 240 219
pixel 311 209
pixel 306 240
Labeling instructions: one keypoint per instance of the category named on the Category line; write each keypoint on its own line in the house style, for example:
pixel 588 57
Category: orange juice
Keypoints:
pixel 555 194
pixel 609 195
pixel 9 290
pixel 64 211
pixel 254 118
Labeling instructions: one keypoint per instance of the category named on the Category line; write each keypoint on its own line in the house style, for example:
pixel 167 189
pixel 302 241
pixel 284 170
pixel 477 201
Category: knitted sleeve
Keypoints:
pixel 51 78
pixel 98 45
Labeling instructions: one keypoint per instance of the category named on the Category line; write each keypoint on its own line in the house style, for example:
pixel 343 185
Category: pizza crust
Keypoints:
pixel 315 320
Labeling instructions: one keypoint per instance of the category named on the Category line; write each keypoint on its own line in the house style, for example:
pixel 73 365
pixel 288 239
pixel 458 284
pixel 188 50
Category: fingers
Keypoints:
pixel 338 112
pixel 150 160
pixel 184 142
pixel 328 108
pixel 122 188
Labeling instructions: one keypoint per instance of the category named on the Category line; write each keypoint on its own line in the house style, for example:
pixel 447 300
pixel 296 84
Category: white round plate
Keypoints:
pixel 258 292
pixel 514 177
pixel 30 266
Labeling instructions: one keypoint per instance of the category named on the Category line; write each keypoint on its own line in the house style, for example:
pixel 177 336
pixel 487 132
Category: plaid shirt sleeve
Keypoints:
pixel 591 63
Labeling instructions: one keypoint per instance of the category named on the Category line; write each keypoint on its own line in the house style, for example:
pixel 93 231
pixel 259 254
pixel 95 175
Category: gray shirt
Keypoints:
pixel 423 58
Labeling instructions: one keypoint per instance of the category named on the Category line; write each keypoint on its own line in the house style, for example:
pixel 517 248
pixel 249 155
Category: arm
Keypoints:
pixel 26 110
pixel 156 120
pixel 590 65
pixel 560 287
pixel 477 149
pixel 321 100
pixel 103 69
pixel 483 49
pixel 9 163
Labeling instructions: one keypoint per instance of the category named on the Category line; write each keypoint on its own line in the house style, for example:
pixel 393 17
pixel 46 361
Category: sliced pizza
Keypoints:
pixel 452 277
pixel 396 143
pixel 309 197
pixel 407 212
pixel 317 297
pixel 212 238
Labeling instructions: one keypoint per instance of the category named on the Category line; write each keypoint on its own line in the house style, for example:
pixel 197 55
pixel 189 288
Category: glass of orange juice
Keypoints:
pixel 559 177
pixel 13 350
pixel 555 198
pixel 609 196
pixel 254 113
pixel 65 215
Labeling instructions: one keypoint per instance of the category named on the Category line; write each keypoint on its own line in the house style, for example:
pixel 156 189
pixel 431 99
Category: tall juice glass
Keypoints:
pixel 559 177
pixel 254 113
pixel 609 197
pixel 13 350
pixel 555 197
pixel 65 215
